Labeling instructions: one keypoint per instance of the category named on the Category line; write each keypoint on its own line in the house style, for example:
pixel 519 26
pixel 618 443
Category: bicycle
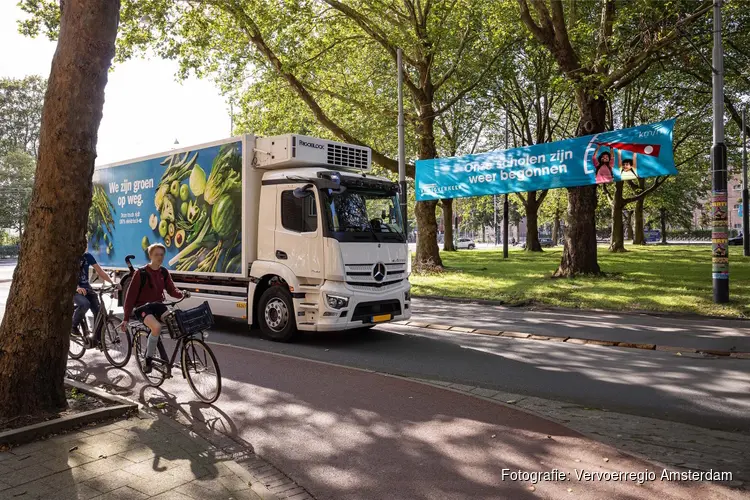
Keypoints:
pixel 197 362
pixel 112 341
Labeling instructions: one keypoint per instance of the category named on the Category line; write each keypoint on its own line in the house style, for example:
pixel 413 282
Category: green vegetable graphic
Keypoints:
pixel 225 174
pixel 223 216
pixel 184 192
pixel 197 181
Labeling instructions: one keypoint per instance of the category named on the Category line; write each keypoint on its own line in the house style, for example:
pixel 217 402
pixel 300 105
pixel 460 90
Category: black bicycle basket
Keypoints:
pixel 189 322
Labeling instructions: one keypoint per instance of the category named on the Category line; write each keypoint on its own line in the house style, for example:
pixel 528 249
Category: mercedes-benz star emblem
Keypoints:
pixel 379 272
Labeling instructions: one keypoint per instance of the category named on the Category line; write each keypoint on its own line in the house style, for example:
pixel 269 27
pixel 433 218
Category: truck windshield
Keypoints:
pixel 363 215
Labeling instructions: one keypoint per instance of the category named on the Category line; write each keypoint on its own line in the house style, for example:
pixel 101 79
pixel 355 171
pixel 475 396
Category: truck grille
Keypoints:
pixel 364 274
pixel 348 157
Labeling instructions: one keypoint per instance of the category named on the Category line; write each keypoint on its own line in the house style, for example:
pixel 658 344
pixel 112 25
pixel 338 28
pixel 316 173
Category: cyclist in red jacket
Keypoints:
pixel 145 296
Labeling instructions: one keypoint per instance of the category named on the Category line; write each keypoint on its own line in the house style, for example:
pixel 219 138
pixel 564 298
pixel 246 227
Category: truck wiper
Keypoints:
pixel 374 233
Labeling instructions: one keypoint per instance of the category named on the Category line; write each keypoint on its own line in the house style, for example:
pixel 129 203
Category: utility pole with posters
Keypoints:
pixel 719 206
pixel 745 197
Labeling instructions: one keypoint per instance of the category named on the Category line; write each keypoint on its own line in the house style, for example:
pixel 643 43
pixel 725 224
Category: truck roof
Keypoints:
pixel 294 174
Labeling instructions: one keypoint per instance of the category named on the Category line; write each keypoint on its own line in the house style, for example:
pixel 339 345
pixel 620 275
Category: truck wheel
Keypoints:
pixel 276 314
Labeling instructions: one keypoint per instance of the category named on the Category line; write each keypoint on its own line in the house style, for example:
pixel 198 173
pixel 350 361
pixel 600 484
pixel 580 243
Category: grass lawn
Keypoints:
pixel 654 278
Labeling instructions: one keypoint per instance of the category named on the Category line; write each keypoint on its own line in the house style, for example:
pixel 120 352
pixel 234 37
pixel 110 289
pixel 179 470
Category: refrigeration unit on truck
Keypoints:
pixel 288 232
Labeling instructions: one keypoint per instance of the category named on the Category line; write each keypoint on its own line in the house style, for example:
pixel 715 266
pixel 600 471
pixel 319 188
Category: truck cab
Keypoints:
pixel 331 248
pixel 336 240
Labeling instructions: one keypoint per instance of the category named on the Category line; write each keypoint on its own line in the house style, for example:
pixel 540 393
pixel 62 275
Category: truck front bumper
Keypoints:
pixel 364 308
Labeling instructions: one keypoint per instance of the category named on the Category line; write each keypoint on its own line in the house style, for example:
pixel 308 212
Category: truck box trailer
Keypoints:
pixel 287 232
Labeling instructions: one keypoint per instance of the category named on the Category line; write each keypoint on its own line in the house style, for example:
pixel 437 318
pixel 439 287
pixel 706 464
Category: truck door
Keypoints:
pixel 299 232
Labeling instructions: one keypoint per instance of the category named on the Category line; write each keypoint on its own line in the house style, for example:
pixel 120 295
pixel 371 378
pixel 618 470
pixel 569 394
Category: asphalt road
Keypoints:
pixel 707 392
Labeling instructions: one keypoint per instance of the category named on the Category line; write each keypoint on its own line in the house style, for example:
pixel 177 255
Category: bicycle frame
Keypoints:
pixel 101 317
pixel 165 359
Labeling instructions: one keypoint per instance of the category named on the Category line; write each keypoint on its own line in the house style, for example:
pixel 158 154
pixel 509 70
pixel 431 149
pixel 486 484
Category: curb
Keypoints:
pixel 574 340
pixel 31 432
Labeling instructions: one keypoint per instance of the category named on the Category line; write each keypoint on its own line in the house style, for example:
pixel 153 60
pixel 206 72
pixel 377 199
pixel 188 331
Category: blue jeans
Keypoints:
pixel 83 303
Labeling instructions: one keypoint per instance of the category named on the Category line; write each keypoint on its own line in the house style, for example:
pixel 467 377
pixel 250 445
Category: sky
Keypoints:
pixel 145 108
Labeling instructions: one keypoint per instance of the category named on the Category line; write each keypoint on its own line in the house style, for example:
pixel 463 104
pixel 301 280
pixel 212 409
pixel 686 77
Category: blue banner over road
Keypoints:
pixel 632 153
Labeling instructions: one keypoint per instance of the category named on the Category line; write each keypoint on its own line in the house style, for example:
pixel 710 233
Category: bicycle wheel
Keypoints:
pixel 77 347
pixel 115 343
pixel 158 369
pixel 201 369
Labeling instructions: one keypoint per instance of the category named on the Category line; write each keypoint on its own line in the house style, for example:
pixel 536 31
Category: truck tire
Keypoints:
pixel 276 314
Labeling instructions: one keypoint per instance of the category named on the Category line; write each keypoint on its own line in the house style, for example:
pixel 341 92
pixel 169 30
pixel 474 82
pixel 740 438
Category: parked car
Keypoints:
pixel 466 243
pixel 546 242
pixel 737 240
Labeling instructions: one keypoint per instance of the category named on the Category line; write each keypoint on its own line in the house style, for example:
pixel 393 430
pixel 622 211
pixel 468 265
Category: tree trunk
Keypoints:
pixel 428 252
pixel 532 223
pixel 556 229
pixel 639 238
pixel 448 245
pixel 617 238
pixel 35 330
pixel 629 225
pixel 579 254
pixel 663 217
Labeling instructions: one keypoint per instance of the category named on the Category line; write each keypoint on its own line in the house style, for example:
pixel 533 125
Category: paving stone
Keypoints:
pixel 112 481
pixel 462 387
pixel 34 489
pixel 78 492
pixel 439 327
pixel 101 429
pixel 190 472
pixel 68 478
pixel 198 492
pixel 107 464
pixel 516 335
pixel 124 493
pixel 171 495
pixel 462 329
pixel 575 341
pixel 538 337
pixel 234 483
pixel 26 475
pixel 487 393
pixel 557 339
pixel 73 459
pixel 164 483
pixel 488 332
pixel 138 454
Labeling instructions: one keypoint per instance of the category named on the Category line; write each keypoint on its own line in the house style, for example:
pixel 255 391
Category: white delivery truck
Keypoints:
pixel 288 232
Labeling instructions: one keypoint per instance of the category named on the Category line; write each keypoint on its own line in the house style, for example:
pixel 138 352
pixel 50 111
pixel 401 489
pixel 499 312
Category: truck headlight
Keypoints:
pixel 407 296
pixel 337 302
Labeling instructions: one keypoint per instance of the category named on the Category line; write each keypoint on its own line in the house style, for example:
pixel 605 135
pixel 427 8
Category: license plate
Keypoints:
pixel 381 318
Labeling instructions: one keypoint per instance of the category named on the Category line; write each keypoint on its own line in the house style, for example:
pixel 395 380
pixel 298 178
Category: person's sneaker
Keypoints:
pixel 147 366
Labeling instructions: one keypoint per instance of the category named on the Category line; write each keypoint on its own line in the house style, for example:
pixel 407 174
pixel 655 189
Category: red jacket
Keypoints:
pixel 153 291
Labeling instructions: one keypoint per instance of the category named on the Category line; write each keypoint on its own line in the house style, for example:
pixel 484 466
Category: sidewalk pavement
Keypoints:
pixel 141 457
pixel 688 331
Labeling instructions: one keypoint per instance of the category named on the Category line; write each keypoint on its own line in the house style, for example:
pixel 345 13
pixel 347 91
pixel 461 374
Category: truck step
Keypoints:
pixel 308 305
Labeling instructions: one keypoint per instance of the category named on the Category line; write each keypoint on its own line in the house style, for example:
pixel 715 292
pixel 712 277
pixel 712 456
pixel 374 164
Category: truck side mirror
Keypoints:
pixel 303 192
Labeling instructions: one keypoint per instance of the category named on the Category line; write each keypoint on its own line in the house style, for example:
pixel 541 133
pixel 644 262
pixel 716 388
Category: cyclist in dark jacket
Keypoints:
pixel 85 298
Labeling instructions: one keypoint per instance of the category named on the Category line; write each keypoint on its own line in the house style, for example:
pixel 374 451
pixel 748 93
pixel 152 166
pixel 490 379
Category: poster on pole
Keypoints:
pixel 627 154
